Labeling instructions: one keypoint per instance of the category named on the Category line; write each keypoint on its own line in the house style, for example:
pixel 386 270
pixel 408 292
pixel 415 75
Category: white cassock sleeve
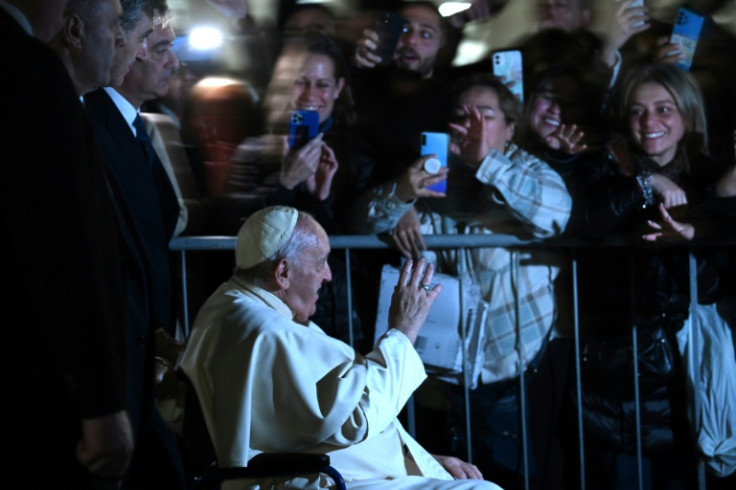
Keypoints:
pixel 269 384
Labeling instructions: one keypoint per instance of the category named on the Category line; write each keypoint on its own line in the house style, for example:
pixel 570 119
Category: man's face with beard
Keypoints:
pixel 418 46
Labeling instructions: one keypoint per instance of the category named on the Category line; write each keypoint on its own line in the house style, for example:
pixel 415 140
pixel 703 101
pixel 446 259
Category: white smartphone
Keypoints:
pixel 436 144
pixel 508 68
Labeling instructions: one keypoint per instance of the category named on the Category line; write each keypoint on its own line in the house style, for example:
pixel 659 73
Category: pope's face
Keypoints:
pixel 307 273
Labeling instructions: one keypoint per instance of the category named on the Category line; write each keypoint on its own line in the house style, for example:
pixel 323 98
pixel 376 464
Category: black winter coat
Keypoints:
pixel 633 283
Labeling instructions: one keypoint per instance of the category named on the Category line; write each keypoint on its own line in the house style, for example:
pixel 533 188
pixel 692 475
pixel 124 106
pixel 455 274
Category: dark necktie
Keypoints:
pixel 145 141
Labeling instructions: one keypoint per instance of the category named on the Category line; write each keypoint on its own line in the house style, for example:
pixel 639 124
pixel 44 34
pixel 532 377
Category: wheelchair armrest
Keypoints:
pixel 274 464
pixel 266 464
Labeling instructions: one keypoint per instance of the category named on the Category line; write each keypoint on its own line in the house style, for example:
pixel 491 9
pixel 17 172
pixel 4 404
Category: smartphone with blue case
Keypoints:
pixel 303 126
pixel 686 32
pixel 507 67
pixel 437 144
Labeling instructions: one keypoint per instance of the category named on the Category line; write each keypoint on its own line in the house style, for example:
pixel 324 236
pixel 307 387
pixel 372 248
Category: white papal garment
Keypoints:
pixel 267 383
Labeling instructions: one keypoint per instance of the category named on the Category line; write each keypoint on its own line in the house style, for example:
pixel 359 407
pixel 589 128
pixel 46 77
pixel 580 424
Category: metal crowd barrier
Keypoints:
pixel 460 243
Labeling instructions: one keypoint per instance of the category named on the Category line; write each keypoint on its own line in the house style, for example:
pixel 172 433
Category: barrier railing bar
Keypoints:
pixel 192 243
pixel 460 243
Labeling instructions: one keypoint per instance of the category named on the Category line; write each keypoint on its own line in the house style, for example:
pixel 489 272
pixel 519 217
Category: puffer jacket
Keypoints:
pixel 626 284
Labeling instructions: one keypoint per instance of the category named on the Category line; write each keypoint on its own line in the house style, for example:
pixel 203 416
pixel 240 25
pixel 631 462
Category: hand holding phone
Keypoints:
pixel 389 26
pixel 303 126
pixel 438 146
pixel 300 164
pixel 624 15
pixel 416 182
pixel 686 32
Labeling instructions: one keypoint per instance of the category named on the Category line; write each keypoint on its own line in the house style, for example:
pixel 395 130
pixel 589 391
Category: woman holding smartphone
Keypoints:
pixel 321 176
pixel 493 187
pixel 646 182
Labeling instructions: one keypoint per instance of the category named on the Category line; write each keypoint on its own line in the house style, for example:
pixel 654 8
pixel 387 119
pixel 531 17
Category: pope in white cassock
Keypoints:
pixel 270 380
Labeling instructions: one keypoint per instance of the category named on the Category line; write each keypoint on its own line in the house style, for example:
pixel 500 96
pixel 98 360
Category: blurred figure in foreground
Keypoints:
pixel 64 405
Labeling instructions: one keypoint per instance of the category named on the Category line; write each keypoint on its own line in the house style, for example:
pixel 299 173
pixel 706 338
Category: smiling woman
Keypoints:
pixel 320 176
pixel 657 171
pixel 310 74
pixel 661 155
pixel 663 108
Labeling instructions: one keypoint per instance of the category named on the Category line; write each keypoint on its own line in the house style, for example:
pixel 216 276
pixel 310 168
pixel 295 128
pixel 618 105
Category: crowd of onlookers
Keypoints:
pixel 613 138
pixel 610 140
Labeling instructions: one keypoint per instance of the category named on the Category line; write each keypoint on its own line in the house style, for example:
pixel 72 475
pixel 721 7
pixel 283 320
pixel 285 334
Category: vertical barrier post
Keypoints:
pixel 693 342
pixel 578 380
pixel 349 278
pixel 522 366
pixel 462 272
pixel 184 294
pixel 635 356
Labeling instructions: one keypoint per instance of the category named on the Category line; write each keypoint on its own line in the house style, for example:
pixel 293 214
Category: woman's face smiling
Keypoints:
pixel 656 122
pixel 545 115
pixel 316 88
pixel 555 102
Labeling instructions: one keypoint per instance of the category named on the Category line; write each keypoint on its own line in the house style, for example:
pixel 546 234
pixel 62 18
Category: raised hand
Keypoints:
pixel 469 141
pixel 668 229
pixel 298 165
pixel 415 181
pixel 668 52
pixel 412 298
pixel 365 50
pixel 628 20
pixel 319 184
pixel 566 139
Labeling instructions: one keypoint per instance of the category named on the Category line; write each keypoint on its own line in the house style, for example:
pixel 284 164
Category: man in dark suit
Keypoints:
pixel 62 417
pixel 150 209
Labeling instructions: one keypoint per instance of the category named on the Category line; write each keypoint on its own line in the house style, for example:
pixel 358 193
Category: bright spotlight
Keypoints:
pixel 449 8
pixel 205 38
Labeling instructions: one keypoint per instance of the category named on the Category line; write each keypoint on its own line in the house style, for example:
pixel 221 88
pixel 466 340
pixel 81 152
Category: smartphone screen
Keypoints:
pixel 389 26
pixel 303 126
pixel 686 32
pixel 437 144
pixel 508 68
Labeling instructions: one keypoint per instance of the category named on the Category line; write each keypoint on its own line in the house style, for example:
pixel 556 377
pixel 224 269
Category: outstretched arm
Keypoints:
pixel 628 21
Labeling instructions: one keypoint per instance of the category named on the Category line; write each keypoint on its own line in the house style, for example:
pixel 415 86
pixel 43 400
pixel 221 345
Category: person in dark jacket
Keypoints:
pixel 653 174
pixel 63 417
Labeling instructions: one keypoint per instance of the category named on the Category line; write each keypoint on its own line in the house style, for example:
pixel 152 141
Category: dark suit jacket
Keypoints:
pixel 62 348
pixel 148 208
